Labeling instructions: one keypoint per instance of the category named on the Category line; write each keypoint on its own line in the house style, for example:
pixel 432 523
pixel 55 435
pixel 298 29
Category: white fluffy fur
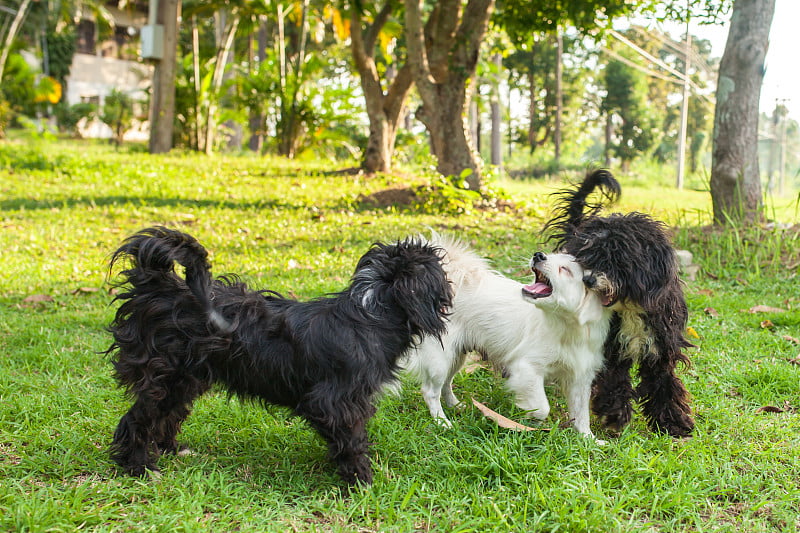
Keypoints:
pixel 558 337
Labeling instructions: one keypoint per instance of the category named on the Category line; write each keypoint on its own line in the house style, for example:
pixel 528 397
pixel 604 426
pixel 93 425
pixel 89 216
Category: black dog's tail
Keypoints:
pixel 572 207
pixel 153 253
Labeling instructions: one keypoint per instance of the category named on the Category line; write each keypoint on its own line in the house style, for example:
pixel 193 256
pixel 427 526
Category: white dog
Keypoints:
pixel 553 328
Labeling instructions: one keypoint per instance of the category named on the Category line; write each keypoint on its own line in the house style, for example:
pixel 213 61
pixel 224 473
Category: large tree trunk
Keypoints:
pixel 384 110
pixel 441 70
pixel 735 179
pixel 162 102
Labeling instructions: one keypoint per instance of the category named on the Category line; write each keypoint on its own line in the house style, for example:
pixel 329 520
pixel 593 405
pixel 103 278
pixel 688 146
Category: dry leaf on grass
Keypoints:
pixel 710 311
pixel 787 408
pixel 85 290
pixel 795 361
pixel 790 339
pixel 765 309
pixel 769 409
pixel 502 421
pixel 767 324
pixel 37 298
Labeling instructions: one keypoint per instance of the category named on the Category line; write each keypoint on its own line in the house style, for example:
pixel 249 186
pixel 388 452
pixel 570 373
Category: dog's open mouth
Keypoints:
pixel 540 288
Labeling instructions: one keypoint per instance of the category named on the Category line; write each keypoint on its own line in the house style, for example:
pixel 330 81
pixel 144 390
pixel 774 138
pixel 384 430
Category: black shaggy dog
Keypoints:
pixel 325 359
pixel 635 264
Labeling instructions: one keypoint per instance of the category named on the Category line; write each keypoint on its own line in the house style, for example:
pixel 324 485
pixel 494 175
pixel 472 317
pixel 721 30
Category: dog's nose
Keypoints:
pixel 538 257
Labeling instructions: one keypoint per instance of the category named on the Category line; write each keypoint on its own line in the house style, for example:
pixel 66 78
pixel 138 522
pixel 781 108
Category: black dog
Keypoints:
pixel 636 266
pixel 325 359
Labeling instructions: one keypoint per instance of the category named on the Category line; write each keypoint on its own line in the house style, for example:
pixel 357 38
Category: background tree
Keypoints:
pixel 443 54
pixel 735 178
pixel 631 127
pixel 377 69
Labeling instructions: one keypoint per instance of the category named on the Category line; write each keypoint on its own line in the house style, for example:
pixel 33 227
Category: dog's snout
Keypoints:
pixel 538 257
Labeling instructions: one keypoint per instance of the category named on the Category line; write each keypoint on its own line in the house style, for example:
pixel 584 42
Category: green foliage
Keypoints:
pixel 61 47
pixel 5 115
pixel 521 18
pixel 68 116
pixel 626 98
pixel 117 113
pixel 19 82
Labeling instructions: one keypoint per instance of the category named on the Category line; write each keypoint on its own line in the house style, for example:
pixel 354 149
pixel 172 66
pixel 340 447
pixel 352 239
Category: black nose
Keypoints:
pixel 538 257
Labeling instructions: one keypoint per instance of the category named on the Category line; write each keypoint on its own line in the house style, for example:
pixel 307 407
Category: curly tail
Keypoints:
pixel 572 207
pixel 153 253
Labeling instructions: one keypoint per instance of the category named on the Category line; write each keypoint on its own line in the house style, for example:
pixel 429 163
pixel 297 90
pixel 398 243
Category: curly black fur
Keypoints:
pixel 325 359
pixel 633 254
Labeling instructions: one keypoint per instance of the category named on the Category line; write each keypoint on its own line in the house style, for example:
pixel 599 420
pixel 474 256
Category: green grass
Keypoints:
pixel 296 229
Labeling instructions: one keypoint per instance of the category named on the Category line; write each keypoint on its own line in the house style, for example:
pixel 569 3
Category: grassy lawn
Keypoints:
pixel 299 229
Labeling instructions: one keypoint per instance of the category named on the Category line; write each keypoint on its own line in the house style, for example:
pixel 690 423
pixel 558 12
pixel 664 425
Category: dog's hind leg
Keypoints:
pixel 437 370
pixel 133 447
pixel 612 392
pixel 149 428
pixel 665 400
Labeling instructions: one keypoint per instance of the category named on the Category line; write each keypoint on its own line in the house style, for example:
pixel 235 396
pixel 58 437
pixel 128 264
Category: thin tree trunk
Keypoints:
pixel 256 142
pixel 609 130
pixel 223 52
pixel 198 108
pixel 735 179
pixel 496 151
pixel 559 98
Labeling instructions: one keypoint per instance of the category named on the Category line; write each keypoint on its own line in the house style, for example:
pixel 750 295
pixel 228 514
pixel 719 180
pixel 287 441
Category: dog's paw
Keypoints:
pixel 443 422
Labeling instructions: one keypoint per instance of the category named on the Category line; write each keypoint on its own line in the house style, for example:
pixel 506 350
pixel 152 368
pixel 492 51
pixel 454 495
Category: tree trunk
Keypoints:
pixel 735 179
pixel 441 71
pixel 199 137
pixel 609 131
pixel 496 151
pixel 559 98
pixel 532 112
pixel 384 110
pixel 256 142
pixel 228 27
pixel 162 102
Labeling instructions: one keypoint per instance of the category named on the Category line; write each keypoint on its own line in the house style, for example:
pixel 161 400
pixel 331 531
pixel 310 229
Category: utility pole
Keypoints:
pixel 559 96
pixel 684 108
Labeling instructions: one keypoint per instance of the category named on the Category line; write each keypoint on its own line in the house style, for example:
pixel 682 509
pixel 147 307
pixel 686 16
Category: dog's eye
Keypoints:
pixel 565 271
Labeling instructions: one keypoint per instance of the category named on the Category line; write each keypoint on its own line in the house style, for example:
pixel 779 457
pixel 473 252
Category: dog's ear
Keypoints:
pixel 591 308
pixel 424 293
pixel 600 285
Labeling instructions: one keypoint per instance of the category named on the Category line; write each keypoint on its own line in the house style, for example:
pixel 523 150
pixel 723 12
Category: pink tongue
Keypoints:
pixel 539 289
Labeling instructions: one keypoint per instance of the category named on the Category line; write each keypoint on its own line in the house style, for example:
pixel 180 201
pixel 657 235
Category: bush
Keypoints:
pixel 118 114
pixel 68 116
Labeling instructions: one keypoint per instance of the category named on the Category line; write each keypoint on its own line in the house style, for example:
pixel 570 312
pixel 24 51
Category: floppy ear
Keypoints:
pixel 591 308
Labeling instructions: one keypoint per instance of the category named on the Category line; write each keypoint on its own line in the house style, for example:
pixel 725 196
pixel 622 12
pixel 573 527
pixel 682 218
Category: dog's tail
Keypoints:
pixel 572 207
pixel 153 253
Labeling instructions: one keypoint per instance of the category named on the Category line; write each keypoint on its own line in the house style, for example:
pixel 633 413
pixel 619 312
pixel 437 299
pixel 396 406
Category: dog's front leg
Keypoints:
pixel 527 384
pixel 346 434
pixel 578 392
pixel 612 392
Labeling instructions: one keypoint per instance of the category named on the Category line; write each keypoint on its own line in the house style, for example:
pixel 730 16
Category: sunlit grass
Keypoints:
pixel 298 229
